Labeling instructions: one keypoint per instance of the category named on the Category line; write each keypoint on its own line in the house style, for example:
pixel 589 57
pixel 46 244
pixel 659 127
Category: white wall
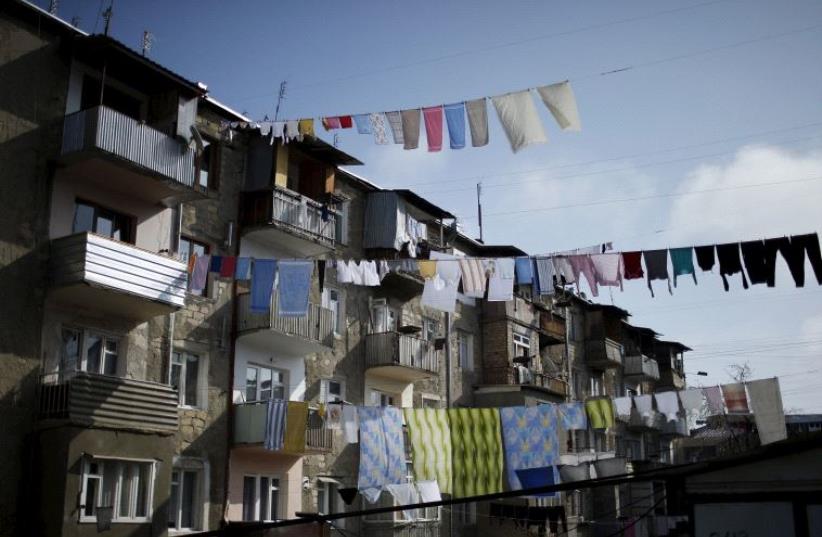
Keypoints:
pixel 404 389
pixel 247 353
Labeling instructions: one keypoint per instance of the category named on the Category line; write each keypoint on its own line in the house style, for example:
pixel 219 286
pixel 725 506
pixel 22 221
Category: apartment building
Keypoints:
pixel 134 404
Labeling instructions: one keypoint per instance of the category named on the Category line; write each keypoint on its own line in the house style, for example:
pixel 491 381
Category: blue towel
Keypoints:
pixel 539 477
pixel 294 287
pixel 216 263
pixel 262 284
pixel 243 268
pixel 455 117
pixel 275 417
pixel 524 270
pixel 363 123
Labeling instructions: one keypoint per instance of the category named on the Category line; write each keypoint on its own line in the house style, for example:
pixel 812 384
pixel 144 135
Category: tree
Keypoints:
pixel 740 372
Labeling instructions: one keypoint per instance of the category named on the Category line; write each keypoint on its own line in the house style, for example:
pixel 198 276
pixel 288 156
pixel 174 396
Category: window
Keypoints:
pixel 379 398
pixel 341 232
pixel 124 486
pixel 185 377
pixel 96 219
pixel 385 319
pixel 184 502
pixel 430 329
pixel 112 98
pixel 264 383
pixel 331 299
pixel 429 401
pixel 70 350
pixel 89 351
pixel 522 346
pixel 208 167
pixel 332 391
pixel 596 382
pixel 328 499
pixel 465 350
pixel 189 246
pixel 261 498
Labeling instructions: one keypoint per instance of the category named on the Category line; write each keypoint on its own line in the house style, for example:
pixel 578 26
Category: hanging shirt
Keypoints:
pixel 294 288
pixel 333 416
pixel 440 292
pixel 632 265
pixel 433 127
pixel 343 271
pixel 477 452
pixel 395 122
pixel 501 280
pixel 753 255
pixel 705 257
pixel 474 277
pixel 455 117
pixel 519 119
pixel 545 275
pixel 644 404
pixel 682 260
pixel 410 128
pixel 278 130
pixel 582 264
pixel 370 276
pixel 430 437
pixel 292 129
pixel 378 128
pixel 656 263
pixel 766 405
pixel 564 271
pixel 262 285
pixel 794 254
pixel 199 277
pixel 735 399
pixel 524 271
pixel 623 406
pixel 363 122
pixel 730 263
pixel 572 416
pixel 560 100
pixel 607 269
pixel 530 438
pixel 350 424
pixel 477 111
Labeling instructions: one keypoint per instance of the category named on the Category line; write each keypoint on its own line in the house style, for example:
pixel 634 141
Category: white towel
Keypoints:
pixel 377 121
pixel 395 122
pixel 559 98
pixel 519 119
pixel 429 491
pixel 766 404
pixel 564 270
pixel 644 404
pixel 343 272
pixel 440 292
pixel 668 404
pixel 370 276
pixel 692 400
pixel 501 281
pixel 351 425
pixel 405 494
pixel 623 407
pixel 474 277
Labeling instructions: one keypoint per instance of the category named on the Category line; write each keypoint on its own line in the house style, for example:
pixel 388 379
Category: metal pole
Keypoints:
pixel 479 209
pixel 448 395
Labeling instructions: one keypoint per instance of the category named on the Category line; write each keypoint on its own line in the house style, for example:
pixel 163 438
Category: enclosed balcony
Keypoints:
pixel 293 336
pixel 603 353
pixel 647 423
pixel 283 219
pixel 671 378
pixel 552 329
pixel 641 367
pixel 93 400
pixel 249 428
pixel 400 356
pixel 109 276
pixel 119 153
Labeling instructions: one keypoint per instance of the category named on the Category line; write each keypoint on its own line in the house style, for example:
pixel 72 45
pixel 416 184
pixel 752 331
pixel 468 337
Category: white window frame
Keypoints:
pixel 259 367
pixel 430 325
pixel 596 383
pixel 118 485
pixel 336 307
pixel 258 509
pixel 465 350
pixel 200 400
pixel 521 342
pixel 325 393
pixel 428 399
pixel 197 508
pixel 390 320
pixel 383 397
pixel 343 214
pixel 105 337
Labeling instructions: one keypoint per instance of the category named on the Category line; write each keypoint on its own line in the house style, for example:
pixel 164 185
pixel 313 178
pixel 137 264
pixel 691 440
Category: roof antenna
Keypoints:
pixel 53 5
pixel 148 39
pixel 280 97
pixel 479 208
pixel 107 16
pixel 75 21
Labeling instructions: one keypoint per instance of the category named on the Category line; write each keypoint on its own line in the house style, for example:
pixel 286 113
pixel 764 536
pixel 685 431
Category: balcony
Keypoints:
pixel 552 329
pixel 678 427
pixel 120 153
pixel 249 428
pixel 670 378
pixel 641 367
pixel 292 336
pixel 91 271
pixel 400 356
pixel 92 400
pixel 283 219
pixel 512 376
pixel 603 353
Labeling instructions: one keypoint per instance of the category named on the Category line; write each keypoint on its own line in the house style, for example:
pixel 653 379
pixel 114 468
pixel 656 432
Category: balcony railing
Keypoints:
pixel 291 212
pixel 639 365
pixel 401 351
pixel 149 284
pixel 603 352
pixel 311 333
pixel 105 130
pixel 249 427
pixel 512 376
pixel 94 400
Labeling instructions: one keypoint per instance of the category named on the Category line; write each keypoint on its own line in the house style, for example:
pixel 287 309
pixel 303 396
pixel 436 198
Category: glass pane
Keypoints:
pixel 176 370
pixel 198 249
pixel 251 384
pixel 264 491
pixel 265 384
pixel 95 347
pixel 125 490
pixel 248 498
pixel 108 498
pixel 334 388
pixel 83 218
pixel 142 489
pixel 104 226
pixel 71 350
pixel 192 373
pixel 173 502
pixel 189 496
pixel 184 250
pixel 278 392
pixel 274 500
pixel 110 358
pixel 91 496
pixel 322 508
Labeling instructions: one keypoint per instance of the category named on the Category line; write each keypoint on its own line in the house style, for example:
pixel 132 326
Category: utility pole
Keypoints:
pixel 107 14
pixel 148 37
pixel 479 208
pixel 280 98
pixel 53 5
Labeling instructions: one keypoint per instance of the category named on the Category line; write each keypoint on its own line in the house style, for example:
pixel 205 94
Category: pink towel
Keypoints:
pixel 713 396
pixel 608 269
pixel 433 127
pixel 583 264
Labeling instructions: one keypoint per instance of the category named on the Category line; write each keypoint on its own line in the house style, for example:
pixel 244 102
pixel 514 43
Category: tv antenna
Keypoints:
pixel 280 98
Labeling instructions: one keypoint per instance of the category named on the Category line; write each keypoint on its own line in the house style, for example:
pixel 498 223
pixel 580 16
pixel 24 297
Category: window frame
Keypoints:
pixel 190 244
pixel 84 346
pixel 272 478
pixel 212 177
pixel 199 400
pixel 337 315
pixel 126 221
pixel 465 342
pixel 197 498
pixel 258 390
pixel 384 395
pixel 381 305
pixel 429 325
pixel 521 342
pixel 325 392
pixel 119 465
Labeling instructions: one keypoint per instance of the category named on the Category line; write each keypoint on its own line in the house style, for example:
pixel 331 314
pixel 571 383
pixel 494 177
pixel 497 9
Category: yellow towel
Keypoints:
pixel 306 127
pixel 600 412
pixel 295 423
pixel 428 269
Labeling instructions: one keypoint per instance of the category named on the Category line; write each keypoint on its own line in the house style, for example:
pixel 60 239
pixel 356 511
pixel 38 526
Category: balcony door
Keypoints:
pixel 384 318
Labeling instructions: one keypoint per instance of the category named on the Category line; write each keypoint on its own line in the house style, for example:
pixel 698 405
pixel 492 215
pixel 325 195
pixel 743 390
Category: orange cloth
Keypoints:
pixel 428 269
pixel 295 425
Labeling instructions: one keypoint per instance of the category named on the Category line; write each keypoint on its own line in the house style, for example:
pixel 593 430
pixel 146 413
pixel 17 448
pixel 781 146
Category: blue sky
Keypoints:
pixel 688 146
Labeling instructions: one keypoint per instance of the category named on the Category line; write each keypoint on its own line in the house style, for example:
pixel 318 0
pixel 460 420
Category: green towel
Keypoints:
pixel 476 446
pixel 430 438
pixel 600 412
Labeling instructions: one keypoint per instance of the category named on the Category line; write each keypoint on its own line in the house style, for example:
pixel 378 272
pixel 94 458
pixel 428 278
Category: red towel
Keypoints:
pixel 228 266
pixel 345 122
pixel 632 265
pixel 433 127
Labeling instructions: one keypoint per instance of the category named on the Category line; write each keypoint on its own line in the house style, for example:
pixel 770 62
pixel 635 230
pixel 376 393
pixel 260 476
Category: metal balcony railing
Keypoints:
pixel 316 326
pixel 395 349
pixel 292 212
pixel 513 376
